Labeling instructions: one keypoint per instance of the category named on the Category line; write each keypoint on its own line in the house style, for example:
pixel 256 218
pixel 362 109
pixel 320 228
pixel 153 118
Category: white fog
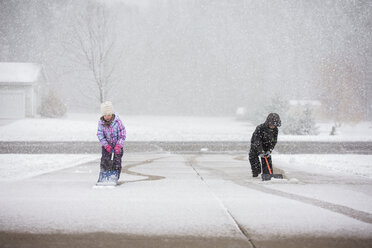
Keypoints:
pixel 195 57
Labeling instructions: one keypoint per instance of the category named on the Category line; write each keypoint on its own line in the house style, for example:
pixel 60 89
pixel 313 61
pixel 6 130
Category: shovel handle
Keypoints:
pixel 268 166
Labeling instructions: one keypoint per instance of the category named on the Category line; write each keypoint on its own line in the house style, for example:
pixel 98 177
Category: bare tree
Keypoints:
pixel 93 50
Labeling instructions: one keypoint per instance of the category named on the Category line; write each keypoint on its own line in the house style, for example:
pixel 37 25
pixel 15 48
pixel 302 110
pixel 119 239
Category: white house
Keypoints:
pixel 20 89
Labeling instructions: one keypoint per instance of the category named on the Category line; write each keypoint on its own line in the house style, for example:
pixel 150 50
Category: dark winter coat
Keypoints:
pixel 264 138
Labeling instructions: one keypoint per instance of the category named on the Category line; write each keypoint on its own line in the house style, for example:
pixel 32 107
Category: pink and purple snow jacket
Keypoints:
pixel 111 134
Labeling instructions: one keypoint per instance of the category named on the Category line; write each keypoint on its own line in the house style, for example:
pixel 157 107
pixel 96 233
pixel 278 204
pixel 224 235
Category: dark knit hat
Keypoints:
pixel 273 119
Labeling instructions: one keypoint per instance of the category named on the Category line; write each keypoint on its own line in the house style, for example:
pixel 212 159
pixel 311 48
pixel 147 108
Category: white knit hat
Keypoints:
pixel 107 108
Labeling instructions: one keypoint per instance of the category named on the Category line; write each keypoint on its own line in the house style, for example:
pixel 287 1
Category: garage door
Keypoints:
pixel 12 104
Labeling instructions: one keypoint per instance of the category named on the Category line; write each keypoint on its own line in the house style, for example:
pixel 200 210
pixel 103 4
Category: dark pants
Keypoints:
pixel 106 157
pixel 254 159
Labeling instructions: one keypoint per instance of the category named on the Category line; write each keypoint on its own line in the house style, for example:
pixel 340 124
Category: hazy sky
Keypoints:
pixel 189 57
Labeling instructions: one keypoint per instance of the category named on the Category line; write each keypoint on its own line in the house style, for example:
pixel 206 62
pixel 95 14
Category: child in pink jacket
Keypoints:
pixel 111 134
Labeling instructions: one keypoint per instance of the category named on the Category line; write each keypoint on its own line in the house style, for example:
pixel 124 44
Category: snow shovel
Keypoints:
pixel 266 177
pixel 111 162
pixel 110 176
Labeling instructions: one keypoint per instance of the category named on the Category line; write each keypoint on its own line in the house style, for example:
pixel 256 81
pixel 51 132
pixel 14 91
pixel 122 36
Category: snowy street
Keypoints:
pixel 193 200
pixel 90 147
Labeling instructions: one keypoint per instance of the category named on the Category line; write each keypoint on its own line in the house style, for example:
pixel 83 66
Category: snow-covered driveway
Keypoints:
pixel 207 196
pixel 307 203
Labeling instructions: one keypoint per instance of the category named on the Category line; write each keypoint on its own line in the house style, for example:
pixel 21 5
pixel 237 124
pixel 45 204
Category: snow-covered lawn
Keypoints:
pixel 14 167
pixel 83 127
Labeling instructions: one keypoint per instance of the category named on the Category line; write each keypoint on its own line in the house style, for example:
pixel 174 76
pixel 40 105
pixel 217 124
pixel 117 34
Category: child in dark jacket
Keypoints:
pixel 263 141
pixel 111 134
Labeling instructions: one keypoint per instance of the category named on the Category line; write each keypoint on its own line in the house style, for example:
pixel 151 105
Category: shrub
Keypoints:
pixel 300 123
pixel 52 106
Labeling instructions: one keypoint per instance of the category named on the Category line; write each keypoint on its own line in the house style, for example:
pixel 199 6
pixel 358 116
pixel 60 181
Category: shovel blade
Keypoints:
pixel 278 176
pixel 267 177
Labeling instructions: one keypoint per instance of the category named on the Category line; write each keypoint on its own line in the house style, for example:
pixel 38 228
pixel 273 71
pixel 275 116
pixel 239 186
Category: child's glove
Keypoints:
pixel 268 153
pixel 108 149
pixel 117 149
